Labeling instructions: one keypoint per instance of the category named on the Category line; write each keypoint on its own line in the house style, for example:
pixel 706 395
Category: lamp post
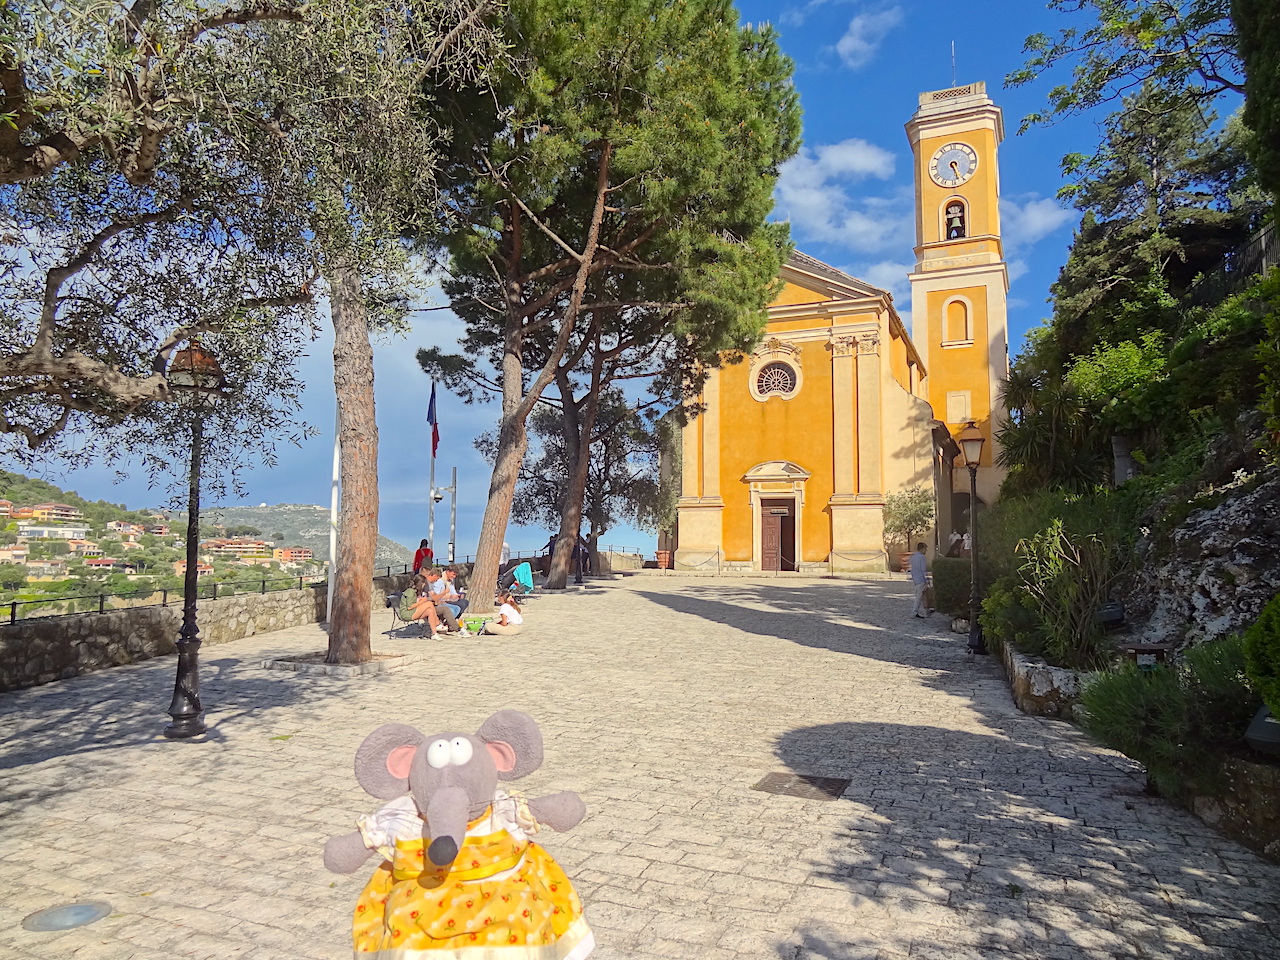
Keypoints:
pixel 195 371
pixel 971 441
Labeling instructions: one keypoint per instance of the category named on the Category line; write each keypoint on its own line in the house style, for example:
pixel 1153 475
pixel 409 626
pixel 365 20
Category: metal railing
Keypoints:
pixel 44 607
pixel 532 554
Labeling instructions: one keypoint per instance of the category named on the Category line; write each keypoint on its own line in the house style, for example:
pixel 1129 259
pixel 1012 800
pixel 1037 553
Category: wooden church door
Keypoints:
pixel 777 526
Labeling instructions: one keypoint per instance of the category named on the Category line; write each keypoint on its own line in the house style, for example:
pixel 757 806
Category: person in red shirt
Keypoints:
pixel 423 557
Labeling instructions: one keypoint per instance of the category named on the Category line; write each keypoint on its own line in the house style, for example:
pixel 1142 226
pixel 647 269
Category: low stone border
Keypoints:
pixel 1039 689
pixel 313 663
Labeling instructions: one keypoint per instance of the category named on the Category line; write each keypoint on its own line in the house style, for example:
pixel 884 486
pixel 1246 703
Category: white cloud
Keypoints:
pixel 1024 224
pixel 888 275
pixel 1017 268
pixel 866 32
pixel 813 194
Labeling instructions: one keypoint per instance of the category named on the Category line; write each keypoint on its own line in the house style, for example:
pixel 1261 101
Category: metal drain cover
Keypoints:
pixel 67 916
pixel 797 785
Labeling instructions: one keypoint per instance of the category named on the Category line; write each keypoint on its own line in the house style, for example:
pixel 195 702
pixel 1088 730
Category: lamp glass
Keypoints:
pixel 971 441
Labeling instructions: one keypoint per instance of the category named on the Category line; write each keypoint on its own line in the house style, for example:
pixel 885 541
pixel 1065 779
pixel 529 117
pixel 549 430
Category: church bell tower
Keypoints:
pixel 961 281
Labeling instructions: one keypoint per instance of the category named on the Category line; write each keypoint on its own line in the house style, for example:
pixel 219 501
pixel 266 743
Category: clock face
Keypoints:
pixel 953 164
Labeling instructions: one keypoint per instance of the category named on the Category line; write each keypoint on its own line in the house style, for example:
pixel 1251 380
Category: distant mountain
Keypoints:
pixel 302 525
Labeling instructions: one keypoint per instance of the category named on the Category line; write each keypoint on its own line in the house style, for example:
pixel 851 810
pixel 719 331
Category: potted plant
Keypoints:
pixel 906 514
pixel 1262 666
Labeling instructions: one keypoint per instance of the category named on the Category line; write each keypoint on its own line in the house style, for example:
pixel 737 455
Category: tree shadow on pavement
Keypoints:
pixel 127 706
pixel 964 845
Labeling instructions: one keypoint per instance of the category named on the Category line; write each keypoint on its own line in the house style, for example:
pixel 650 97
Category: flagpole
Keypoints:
pixel 333 512
pixel 431 486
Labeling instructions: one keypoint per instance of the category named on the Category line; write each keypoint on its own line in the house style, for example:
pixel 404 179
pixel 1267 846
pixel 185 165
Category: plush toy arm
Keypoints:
pixel 559 811
pixel 346 853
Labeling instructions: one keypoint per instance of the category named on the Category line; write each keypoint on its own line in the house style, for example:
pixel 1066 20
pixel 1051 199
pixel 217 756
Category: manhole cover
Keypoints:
pixel 809 788
pixel 66 916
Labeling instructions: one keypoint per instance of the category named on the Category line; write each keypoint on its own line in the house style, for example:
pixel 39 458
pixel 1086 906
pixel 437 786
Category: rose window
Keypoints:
pixel 776 378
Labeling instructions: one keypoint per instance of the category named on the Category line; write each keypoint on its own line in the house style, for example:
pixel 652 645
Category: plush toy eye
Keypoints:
pixel 438 754
pixel 460 750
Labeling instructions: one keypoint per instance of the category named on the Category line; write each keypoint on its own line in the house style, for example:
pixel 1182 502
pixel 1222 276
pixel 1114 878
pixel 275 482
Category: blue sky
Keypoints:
pixel 859 68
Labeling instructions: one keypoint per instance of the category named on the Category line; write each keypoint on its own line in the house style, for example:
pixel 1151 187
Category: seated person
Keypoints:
pixel 439 589
pixel 454 599
pixel 416 604
pixel 509 618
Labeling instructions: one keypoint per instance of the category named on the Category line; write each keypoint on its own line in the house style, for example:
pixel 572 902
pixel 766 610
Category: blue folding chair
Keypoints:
pixel 522 576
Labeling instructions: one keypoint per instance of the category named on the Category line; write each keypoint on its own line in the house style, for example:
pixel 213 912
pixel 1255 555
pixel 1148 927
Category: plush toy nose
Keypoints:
pixel 446 825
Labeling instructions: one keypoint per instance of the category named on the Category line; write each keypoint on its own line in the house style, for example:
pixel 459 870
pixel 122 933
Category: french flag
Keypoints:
pixel 435 424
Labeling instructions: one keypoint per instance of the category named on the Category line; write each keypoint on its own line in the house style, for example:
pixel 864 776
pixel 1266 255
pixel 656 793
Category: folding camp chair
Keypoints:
pixel 519 580
pixel 524 577
pixel 397 621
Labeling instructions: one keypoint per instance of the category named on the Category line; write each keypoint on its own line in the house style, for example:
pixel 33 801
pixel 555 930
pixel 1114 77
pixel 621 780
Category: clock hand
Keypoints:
pixel 955 168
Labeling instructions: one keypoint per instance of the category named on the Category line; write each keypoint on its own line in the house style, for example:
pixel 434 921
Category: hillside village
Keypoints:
pixel 65 547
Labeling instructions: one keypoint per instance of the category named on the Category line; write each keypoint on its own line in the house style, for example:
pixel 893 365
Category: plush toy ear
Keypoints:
pixel 515 733
pixel 504 755
pixel 383 760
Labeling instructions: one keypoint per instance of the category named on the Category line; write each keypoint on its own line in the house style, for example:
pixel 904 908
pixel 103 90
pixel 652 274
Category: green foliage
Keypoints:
pixel 1067 579
pixel 1262 654
pixel 1051 559
pixel 1009 617
pixel 951 585
pixel 907 513
pixel 1178 720
pixel 1124 43
pixel 1258 27
pixel 13 576
pixel 1265 296
pixel 1122 384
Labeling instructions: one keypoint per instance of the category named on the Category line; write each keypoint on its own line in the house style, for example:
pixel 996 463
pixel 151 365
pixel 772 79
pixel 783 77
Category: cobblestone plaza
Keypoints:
pixel 966 829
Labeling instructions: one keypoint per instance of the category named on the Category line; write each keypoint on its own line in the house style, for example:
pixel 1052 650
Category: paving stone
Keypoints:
pixel 968 831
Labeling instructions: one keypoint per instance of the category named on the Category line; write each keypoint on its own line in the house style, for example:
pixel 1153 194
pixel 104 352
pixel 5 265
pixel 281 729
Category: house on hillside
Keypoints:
pixel 31 530
pixel 56 512
pixel 293 554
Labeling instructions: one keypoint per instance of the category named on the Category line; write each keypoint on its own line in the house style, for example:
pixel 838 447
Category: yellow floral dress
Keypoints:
pixel 503 897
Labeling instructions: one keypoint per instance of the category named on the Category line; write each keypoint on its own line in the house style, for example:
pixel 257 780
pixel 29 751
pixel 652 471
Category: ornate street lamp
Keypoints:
pixel 195 372
pixel 971 441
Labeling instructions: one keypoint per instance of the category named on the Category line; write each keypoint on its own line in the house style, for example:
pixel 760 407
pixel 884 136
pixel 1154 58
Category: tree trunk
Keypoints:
pixel 351 571
pixel 571 428
pixel 517 403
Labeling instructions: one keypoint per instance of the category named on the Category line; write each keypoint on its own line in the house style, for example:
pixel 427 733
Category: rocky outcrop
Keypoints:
pixel 1212 575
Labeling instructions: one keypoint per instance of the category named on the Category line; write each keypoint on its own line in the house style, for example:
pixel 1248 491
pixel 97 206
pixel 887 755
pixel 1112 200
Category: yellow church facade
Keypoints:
pixel 796 447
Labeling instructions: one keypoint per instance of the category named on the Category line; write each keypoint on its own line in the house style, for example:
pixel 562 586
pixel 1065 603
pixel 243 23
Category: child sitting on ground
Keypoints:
pixel 509 619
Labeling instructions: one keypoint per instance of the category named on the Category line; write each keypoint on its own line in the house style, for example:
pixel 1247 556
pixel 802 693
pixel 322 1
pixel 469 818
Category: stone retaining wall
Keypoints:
pixel 45 649
pixel 1248 809
pixel 1039 689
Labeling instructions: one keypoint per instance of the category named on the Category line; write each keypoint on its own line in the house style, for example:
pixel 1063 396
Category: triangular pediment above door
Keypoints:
pixel 775 470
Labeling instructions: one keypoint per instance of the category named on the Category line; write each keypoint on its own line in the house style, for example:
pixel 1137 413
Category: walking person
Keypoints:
pixel 919 580
pixel 422 557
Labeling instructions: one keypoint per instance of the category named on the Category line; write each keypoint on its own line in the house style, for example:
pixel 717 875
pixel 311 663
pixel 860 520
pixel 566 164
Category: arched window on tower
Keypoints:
pixel 957 322
pixel 955 221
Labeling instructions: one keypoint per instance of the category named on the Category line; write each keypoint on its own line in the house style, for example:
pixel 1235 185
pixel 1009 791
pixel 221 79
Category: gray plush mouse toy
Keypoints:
pixel 459 869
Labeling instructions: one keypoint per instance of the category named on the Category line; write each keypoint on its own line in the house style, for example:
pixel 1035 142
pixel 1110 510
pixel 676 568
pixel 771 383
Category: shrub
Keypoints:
pixel 951 585
pixel 1141 713
pixel 1067 580
pixel 1177 721
pixel 1262 654
pixel 1009 617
